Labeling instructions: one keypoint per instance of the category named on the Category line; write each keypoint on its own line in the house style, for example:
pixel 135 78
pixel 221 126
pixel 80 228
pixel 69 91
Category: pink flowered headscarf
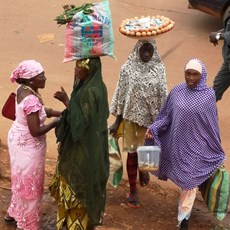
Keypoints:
pixel 26 70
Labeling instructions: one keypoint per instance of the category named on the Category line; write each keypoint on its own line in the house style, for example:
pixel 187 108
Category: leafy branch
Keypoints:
pixel 71 10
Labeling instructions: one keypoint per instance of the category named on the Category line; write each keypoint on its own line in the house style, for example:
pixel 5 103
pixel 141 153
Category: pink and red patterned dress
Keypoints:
pixel 27 158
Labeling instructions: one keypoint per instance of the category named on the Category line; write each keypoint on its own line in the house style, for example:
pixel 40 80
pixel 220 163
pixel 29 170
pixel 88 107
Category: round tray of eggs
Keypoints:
pixel 146 27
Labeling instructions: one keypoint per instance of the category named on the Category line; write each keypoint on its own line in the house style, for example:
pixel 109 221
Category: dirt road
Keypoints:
pixel 158 206
pixel 22 22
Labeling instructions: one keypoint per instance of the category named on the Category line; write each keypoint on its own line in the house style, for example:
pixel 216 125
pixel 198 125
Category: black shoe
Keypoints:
pixel 184 225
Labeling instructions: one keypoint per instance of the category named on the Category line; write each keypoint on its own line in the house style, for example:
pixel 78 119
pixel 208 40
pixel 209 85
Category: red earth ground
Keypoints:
pixel 158 209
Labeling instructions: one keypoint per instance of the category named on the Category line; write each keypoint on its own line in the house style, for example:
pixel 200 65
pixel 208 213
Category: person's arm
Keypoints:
pixel 114 127
pixel 34 125
pixel 52 113
pixel 63 97
pixel 221 30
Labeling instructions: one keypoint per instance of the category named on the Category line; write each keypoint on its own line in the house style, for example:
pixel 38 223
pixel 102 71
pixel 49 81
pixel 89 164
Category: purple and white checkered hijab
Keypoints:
pixel 187 131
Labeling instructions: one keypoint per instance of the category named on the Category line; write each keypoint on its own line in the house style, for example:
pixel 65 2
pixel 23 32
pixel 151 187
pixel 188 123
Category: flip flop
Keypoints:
pixel 144 178
pixel 133 201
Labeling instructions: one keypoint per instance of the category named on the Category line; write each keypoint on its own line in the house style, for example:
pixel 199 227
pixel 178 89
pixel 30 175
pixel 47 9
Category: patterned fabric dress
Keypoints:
pixel 141 88
pixel 139 95
pixel 27 158
pixel 187 131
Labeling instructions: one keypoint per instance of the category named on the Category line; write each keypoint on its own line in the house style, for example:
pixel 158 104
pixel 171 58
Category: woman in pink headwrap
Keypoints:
pixel 187 131
pixel 27 146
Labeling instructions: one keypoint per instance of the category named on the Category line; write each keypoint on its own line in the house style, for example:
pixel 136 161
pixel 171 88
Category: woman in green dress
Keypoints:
pixel 79 185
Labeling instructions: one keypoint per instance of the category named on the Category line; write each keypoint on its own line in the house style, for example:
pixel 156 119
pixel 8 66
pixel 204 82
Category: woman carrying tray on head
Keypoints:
pixel 138 97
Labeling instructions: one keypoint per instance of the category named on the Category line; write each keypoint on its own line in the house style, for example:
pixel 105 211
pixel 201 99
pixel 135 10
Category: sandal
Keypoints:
pixel 9 219
pixel 133 201
pixel 144 178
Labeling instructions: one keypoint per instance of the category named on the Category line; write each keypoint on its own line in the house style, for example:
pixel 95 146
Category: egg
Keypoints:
pixel 149 33
pixel 123 31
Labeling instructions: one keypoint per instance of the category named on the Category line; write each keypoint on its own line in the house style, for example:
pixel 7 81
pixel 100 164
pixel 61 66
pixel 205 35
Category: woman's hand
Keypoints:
pixel 114 127
pixel 34 125
pixel 55 122
pixel 62 96
pixel 148 134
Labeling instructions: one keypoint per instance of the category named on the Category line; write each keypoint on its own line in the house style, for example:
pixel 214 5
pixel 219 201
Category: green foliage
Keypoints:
pixel 71 10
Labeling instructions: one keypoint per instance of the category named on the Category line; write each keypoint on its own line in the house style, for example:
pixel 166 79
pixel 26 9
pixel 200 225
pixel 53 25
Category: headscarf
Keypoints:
pixel 141 88
pixel 187 132
pixel 195 65
pixel 26 69
pixel 199 66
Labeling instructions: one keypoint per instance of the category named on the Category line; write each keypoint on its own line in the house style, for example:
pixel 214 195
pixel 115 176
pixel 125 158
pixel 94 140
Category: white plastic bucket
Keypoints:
pixel 148 158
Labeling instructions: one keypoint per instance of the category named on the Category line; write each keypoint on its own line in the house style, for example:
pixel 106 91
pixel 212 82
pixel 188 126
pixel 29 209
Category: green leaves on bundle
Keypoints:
pixel 71 10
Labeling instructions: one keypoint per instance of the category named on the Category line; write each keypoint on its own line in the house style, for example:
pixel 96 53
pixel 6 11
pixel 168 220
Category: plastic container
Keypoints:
pixel 148 158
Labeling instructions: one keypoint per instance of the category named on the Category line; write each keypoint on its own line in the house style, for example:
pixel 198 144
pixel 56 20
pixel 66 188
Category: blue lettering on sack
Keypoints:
pixel 101 18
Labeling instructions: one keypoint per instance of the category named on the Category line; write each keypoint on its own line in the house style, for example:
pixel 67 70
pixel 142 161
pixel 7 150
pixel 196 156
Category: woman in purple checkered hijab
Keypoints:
pixel 187 132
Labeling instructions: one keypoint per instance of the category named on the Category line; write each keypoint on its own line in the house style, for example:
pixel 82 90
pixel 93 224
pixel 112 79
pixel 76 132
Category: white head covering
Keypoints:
pixel 26 69
pixel 195 65
pixel 199 66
